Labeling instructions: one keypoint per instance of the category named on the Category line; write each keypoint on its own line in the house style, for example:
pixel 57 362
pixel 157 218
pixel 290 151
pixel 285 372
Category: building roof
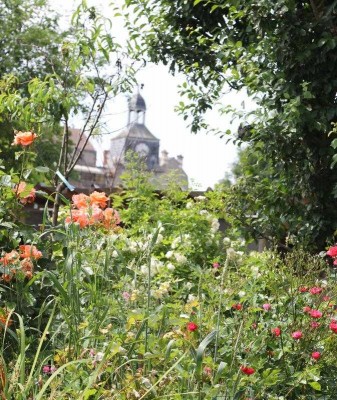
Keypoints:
pixel 137 103
pixel 136 131
pixel 75 136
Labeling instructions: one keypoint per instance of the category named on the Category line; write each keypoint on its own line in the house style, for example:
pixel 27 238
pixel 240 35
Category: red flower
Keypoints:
pixel 316 355
pixel 315 325
pixel 297 335
pixel 303 289
pixel 191 326
pixel 315 314
pixel 333 326
pixel 315 290
pixel 332 252
pixel 247 370
pixel 276 331
pixel 237 306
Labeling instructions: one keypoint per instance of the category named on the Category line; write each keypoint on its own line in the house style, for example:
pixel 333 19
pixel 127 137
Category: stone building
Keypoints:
pixel 135 137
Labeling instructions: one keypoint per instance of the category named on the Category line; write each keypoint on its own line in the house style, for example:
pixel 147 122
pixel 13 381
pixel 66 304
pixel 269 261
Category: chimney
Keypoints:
pixel 180 159
pixel 164 157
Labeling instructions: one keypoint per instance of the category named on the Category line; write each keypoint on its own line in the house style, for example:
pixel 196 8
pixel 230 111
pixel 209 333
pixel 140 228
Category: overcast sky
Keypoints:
pixel 206 157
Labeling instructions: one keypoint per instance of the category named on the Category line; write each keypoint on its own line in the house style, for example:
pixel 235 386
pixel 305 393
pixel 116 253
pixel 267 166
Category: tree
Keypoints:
pixel 284 54
pixel 30 41
pixel 93 68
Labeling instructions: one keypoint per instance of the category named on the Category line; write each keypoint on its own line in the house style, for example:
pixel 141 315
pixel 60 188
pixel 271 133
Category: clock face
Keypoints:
pixel 142 149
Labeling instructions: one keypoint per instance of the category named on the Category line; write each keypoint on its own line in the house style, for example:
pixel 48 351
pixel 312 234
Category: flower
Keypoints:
pixel 315 325
pixel 315 290
pixel 297 335
pixel 315 314
pixel 237 306
pixel 29 251
pixel 111 218
pixel 27 267
pixel 333 326
pixel 266 306
pixel 332 252
pixel 316 355
pixel 191 326
pixel 48 369
pixel 126 296
pixel 303 289
pixel 25 196
pixel 306 309
pixel 24 138
pixel 216 265
pixel 10 258
pixel 81 200
pixel 247 370
pixel 99 199
pixel 276 331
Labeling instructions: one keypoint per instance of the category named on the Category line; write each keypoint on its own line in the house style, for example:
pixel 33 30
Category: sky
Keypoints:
pixel 207 158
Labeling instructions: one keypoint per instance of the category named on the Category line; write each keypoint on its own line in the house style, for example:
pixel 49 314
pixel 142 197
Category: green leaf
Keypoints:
pixel 42 169
pixel 315 385
pixel 201 349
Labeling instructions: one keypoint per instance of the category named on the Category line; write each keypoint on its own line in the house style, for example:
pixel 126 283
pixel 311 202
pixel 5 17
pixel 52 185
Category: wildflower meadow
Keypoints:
pixel 140 296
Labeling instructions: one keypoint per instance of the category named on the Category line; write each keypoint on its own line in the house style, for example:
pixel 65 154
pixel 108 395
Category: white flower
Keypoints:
pixel 169 254
pixel 189 205
pixel 231 254
pixel 188 285
pixel 160 238
pixel 181 259
pixel 176 242
pixel 191 298
pixel 242 293
pixel 114 254
pixel 227 242
pixel 203 212
pixel 170 267
pixel 215 225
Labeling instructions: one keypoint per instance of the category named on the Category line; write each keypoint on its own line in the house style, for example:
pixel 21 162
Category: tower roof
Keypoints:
pixel 136 131
pixel 137 103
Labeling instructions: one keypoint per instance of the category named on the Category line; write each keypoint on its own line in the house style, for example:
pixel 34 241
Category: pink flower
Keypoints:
pixel 48 369
pixel 276 331
pixel 208 371
pixel 216 265
pixel 191 326
pixel 316 355
pixel 306 309
pixel 297 335
pixel 247 370
pixel 333 326
pixel 315 314
pixel 315 325
pixel 266 306
pixel 315 290
pixel 126 296
pixel 303 289
pixel 326 298
pixel 332 252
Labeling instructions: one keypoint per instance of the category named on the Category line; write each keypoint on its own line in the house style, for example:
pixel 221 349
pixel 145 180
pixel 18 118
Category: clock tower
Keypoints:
pixel 135 137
